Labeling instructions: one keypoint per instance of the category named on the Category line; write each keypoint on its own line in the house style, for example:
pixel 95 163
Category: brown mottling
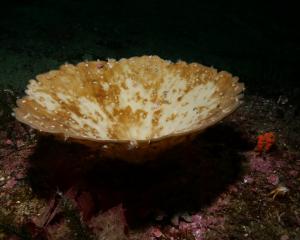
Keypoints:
pixel 156 117
pixel 184 114
pixel 123 85
pixel 138 96
pixel 179 98
pixel 171 117
pixel 112 133
pixel 184 104
pixel 141 113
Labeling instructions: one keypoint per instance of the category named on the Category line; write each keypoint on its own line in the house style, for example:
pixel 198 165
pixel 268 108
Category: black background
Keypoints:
pixel 259 42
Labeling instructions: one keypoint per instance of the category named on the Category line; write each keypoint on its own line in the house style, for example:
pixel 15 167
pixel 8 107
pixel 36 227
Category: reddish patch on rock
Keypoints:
pixel 9 142
pixel 198 226
pixel 279 163
pixel 261 165
pixel 248 179
pixel 284 237
pixel 273 179
pixel 154 231
pixel 110 224
pixel 86 205
pixel 233 189
pixel 20 175
pixel 293 173
pixel 10 183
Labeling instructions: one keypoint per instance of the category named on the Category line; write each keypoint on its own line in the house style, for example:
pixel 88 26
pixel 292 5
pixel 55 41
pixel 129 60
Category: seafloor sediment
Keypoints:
pixel 222 186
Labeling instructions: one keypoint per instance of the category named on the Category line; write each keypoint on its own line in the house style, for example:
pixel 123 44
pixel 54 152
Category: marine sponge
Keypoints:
pixel 131 108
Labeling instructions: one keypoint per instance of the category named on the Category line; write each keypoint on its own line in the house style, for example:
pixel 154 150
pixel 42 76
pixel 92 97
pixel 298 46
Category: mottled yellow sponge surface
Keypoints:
pixel 136 99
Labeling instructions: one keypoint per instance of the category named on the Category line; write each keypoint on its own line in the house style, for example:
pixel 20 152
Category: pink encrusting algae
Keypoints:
pixel 219 187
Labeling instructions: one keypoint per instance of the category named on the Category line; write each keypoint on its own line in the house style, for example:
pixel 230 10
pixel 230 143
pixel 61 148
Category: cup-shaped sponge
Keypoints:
pixel 132 108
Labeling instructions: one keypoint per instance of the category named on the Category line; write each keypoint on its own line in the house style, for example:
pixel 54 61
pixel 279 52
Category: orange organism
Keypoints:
pixel 265 142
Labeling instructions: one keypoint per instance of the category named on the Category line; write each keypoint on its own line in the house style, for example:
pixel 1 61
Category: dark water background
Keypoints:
pixel 260 43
